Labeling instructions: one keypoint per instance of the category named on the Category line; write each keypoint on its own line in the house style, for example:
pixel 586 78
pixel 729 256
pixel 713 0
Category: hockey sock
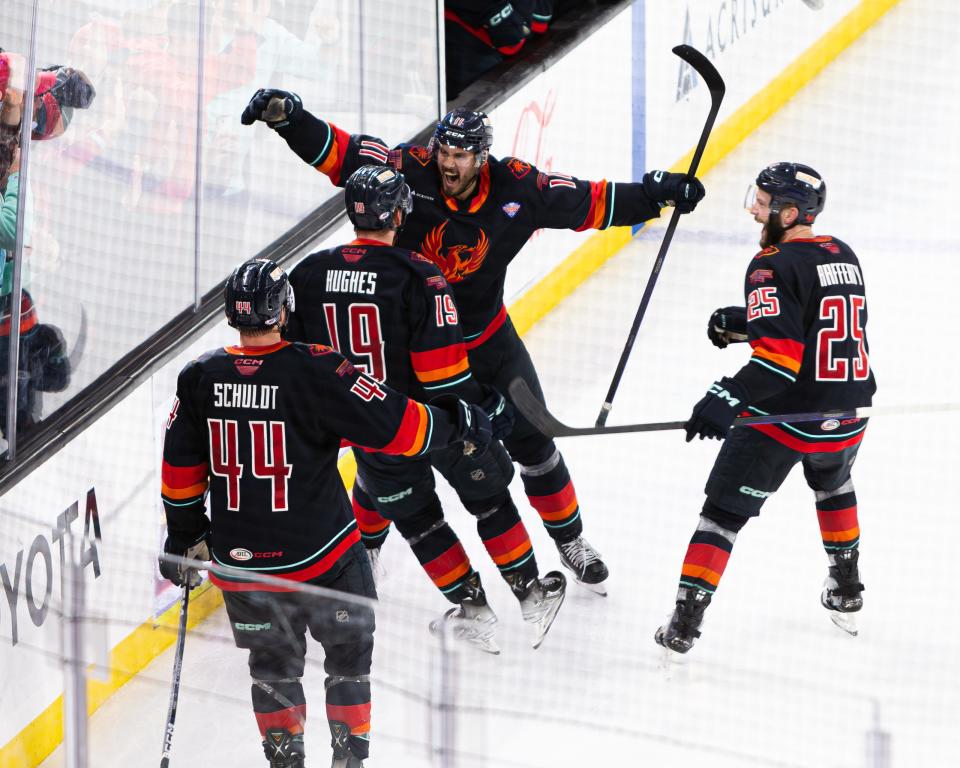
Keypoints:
pixel 279 704
pixel 551 493
pixel 373 527
pixel 348 712
pixel 707 554
pixel 837 515
pixel 439 551
pixel 506 538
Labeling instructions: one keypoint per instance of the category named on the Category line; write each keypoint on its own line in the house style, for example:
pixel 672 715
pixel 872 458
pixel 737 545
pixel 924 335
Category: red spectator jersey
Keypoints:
pixel 807 325
pixel 260 428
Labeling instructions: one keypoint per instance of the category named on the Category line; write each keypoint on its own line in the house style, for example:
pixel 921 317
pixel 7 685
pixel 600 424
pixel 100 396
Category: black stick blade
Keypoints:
pixel 704 68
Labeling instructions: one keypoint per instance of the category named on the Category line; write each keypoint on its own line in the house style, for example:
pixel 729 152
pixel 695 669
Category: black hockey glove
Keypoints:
pixel 276 108
pixel 47 358
pixel 676 189
pixel 500 413
pixel 713 416
pixel 197 549
pixel 728 325
pixel 473 424
pixel 507 28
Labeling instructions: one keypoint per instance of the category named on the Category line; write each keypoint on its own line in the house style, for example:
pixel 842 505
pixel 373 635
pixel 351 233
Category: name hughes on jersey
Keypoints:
pixel 226 395
pixel 351 281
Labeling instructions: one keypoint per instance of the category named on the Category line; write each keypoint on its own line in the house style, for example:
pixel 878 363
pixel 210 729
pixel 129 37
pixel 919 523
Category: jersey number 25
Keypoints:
pixel 844 315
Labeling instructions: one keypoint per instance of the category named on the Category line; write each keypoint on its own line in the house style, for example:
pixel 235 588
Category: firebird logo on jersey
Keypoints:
pixel 760 276
pixel 421 154
pixel 459 260
pixel 247 366
pixel 318 350
pixel 832 247
pixel 367 389
pixel 518 167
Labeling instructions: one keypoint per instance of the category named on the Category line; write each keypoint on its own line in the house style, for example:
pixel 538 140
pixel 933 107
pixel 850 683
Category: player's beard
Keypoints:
pixel 458 186
pixel 772 232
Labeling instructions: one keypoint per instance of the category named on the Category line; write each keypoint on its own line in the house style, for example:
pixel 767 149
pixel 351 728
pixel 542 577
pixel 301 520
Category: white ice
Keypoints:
pixel 772 682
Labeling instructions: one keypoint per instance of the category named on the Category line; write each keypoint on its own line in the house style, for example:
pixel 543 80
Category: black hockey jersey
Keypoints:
pixel 473 241
pixel 807 325
pixel 387 310
pixel 260 427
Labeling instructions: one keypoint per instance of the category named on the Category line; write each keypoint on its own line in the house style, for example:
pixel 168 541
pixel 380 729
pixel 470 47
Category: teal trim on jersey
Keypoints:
pixel 613 196
pixel 518 564
pixel 325 146
pixel 449 383
pixel 775 370
pixel 426 443
pixel 335 540
pixel 472 336
pixel 182 503
pixel 457 584
pixel 562 525
pixel 830 436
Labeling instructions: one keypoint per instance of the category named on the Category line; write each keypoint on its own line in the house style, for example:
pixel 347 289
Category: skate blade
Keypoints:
pixel 845 621
pixel 482 641
pixel 542 626
pixel 598 589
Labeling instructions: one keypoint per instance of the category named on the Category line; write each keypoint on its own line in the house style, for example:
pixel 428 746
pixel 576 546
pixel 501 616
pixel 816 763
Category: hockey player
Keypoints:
pixel 392 313
pixel 260 425
pixel 473 215
pixel 806 319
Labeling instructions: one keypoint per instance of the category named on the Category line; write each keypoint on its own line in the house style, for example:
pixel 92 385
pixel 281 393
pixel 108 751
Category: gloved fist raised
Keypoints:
pixel 178 572
pixel 713 416
pixel 676 189
pixel 506 26
pixel 728 325
pixel 274 107
pixel 500 413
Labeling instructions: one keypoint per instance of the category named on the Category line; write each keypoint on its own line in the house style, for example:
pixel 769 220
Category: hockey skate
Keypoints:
pixel 683 629
pixel 540 602
pixel 588 569
pixel 842 590
pixel 472 621
pixel 283 749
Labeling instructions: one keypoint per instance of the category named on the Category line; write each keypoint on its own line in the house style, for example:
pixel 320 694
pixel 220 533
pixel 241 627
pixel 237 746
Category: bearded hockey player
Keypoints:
pixel 805 319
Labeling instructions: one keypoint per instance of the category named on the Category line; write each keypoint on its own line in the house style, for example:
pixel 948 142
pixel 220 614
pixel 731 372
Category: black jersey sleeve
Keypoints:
pixel 566 202
pixel 775 327
pixel 373 416
pixel 331 150
pixel 185 470
pixel 438 354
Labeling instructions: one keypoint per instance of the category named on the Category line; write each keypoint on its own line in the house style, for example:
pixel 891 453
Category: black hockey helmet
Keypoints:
pixel 255 293
pixel 373 193
pixel 465 129
pixel 794 184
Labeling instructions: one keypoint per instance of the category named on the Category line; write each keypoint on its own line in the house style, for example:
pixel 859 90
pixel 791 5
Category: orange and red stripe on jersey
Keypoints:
pixel 785 353
pixel 356 716
pixel 411 437
pixel 435 366
pixel 330 159
pixel 181 483
pixel 779 433
pixel 597 215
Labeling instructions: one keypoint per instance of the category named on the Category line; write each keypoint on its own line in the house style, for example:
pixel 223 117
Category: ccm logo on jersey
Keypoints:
pixel 716 389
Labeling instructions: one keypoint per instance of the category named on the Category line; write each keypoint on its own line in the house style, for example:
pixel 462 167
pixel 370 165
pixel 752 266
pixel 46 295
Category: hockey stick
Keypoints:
pixel 177 668
pixel 715 85
pixel 548 424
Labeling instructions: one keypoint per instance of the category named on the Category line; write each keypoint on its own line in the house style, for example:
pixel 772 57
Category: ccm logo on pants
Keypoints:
pixel 748 491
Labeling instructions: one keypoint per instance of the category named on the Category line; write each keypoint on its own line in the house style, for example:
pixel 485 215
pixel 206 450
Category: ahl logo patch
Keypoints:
pixel 829 425
pixel 760 276
pixel 511 209
pixel 241 554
